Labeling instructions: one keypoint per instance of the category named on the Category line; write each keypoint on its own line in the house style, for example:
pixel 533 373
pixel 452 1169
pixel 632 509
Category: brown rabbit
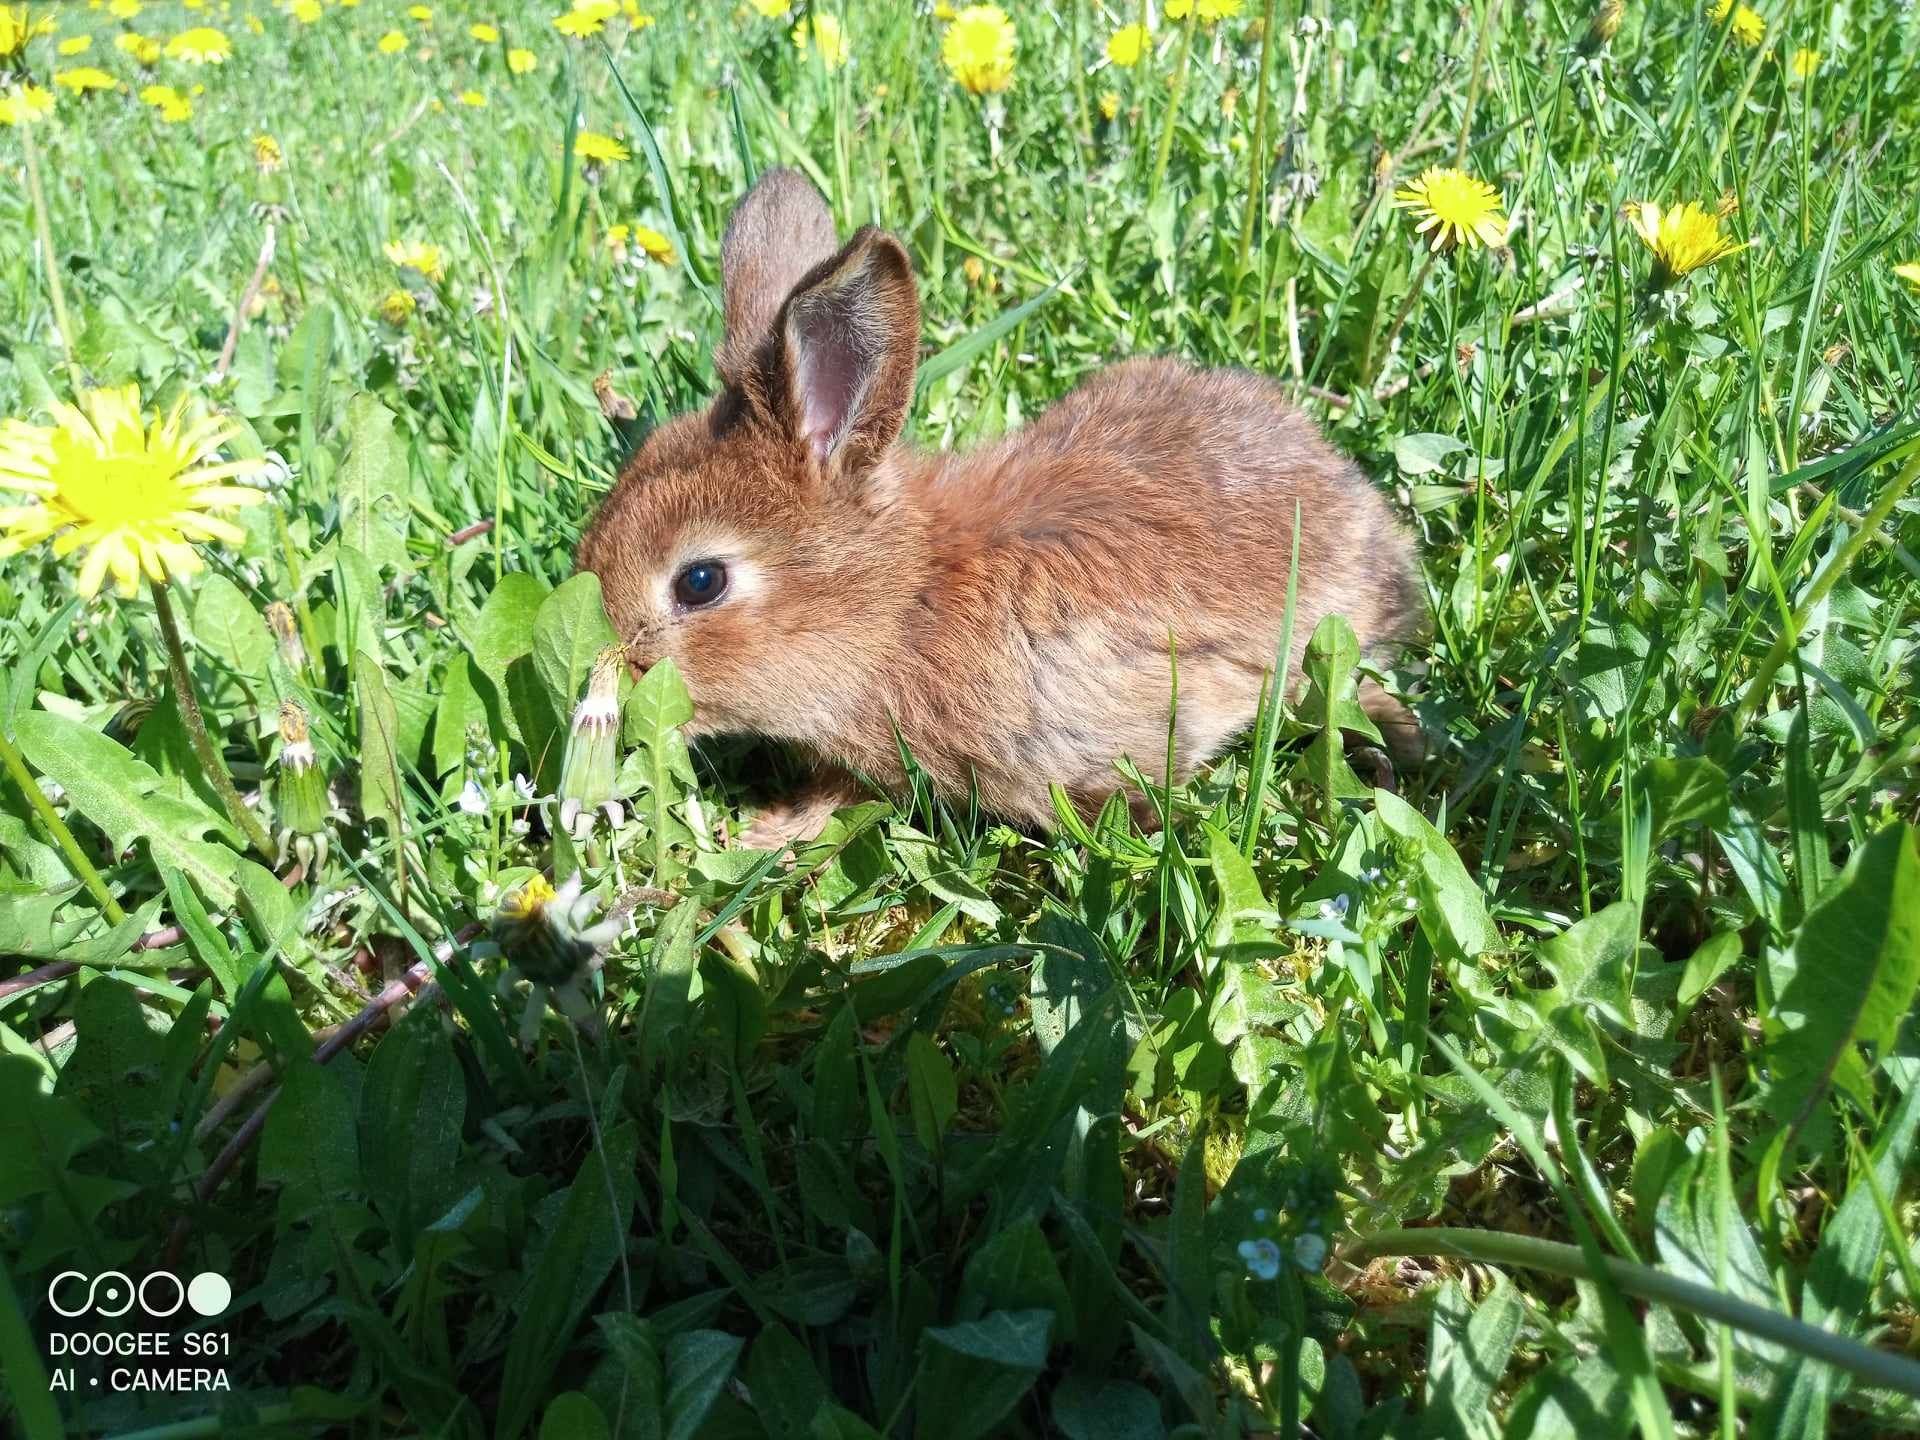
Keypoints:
pixel 1010 609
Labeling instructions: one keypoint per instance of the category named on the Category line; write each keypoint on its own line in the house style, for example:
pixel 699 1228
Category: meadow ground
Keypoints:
pixel 1571 1090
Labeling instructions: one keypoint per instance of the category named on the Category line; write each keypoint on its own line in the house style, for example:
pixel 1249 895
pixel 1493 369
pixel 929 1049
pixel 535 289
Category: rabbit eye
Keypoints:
pixel 700 583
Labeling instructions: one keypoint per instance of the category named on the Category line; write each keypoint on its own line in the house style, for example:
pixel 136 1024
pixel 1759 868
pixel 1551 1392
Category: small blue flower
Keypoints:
pixel 1309 1252
pixel 1262 1215
pixel 1334 909
pixel 1262 1257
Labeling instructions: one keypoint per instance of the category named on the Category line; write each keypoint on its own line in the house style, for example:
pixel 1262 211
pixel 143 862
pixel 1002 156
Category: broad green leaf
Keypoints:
pixel 373 483
pixel 1423 452
pixel 1087 1408
pixel 663 1014
pixel 123 796
pixel 382 795
pixel 571 1415
pixel 309 1147
pixel 413 1103
pixel 786 1388
pixel 577 1255
pixel 1015 1270
pixel 653 713
pixel 1592 964
pixel 458 718
pixel 569 630
pixel 1717 954
pixel 360 618
pixel 1855 965
pixel 1452 910
pixel 226 626
pixel 992 1362
pixel 1467 1354
pixel 503 632
pixel 699 1364
pixel 1686 790
pixel 932 1091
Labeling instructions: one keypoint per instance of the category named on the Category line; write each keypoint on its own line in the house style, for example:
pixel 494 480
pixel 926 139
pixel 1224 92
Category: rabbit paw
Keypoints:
pixel 801 816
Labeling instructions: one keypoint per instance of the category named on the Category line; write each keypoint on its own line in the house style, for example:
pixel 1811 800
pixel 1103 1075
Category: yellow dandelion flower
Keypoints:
pixel 1909 272
pixel 392 43
pixel 420 13
pixel 473 100
pixel 75 45
pixel 1749 28
pixel 1805 62
pixel 578 24
pixel 1206 11
pixel 142 48
pixel 202 45
pixel 1683 238
pixel 617 236
pixel 123 9
pixel 653 244
pixel 1110 104
pixel 254 27
pixel 771 9
pixel 17 28
pixel 1455 206
pixel 529 902
pixel 823 33
pixel 397 306
pixel 425 260
pixel 1127 44
pixel 267 154
pixel 598 149
pixel 978 49
pixel 84 78
pixel 637 18
pixel 25 104
pixel 172 105
pixel 522 62
pixel 307 12
pixel 484 33
pixel 134 495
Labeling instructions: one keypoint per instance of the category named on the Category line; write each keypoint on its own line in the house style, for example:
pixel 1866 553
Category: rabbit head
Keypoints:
pixel 749 543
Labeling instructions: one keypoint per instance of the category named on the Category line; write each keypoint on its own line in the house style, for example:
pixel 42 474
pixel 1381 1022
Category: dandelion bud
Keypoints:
pixel 593 746
pixel 267 155
pixel 1605 25
pixel 397 307
pixel 300 786
pixel 286 634
pixel 548 935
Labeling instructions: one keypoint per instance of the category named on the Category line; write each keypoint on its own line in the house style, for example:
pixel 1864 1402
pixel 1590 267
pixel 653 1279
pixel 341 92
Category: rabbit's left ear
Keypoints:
pixel 850 338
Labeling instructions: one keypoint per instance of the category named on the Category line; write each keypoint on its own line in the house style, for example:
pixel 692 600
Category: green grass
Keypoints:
pixel 1575 1086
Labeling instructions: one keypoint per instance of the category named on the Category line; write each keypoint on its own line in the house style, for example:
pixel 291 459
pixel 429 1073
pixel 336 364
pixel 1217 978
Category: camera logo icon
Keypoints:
pixel 160 1294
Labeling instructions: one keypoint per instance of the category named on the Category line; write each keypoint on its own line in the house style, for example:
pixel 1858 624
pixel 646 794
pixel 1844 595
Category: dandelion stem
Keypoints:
pixel 1837 567
pixel 1257 160
pixel 1406 305
pixel 1084 134
pixel 188 702
pixel 1174 96
pixel 1474 79
pixel 63 837
pixel 44 231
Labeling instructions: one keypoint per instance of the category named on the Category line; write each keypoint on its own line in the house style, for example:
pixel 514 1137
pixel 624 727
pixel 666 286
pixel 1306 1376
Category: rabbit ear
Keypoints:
pixel 779 231
pixel 850 337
